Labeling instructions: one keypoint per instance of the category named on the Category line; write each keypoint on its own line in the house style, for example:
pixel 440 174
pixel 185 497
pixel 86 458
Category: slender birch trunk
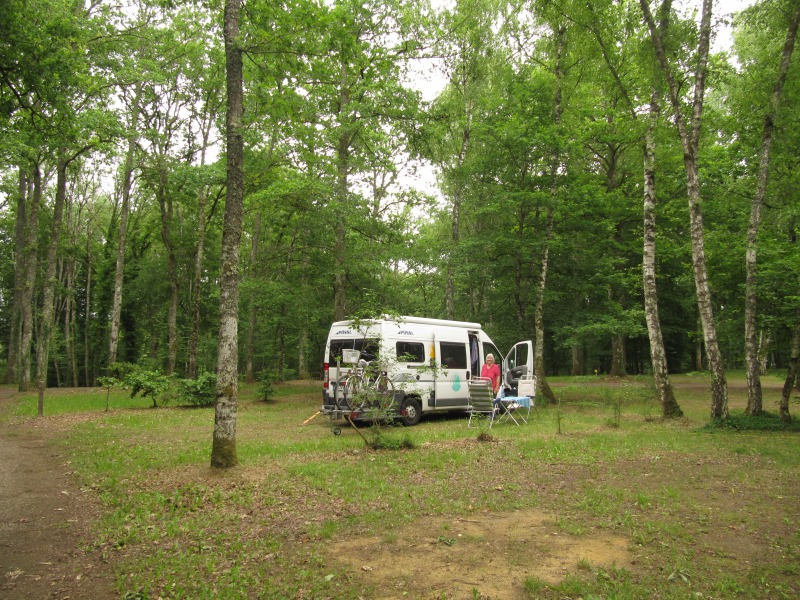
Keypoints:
pixel 666 395
pixel 538 352
pixel 690 141
pixel 764 345
pixel 223 450
pixel 658 356
pixel 754 394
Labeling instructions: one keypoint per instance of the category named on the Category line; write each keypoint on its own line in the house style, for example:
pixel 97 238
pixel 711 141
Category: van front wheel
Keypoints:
pixel 410 411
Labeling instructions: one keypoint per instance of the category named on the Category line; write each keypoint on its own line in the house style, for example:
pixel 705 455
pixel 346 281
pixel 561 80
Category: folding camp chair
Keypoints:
pixel 526 397
pixel 481 400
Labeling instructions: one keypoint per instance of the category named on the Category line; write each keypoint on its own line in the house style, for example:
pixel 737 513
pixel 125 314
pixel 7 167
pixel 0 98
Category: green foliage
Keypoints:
pixel 149 383
pixel 380 439
pixel 739 421
pixel 266 379
pixel 327 100
pixel 162 389
pixel 199 392
pixel 109 382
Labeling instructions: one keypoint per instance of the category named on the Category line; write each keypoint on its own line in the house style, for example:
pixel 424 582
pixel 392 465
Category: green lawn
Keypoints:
pixel 596 497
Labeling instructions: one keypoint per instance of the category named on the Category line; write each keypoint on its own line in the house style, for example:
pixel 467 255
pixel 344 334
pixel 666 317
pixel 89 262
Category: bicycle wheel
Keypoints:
pixel 341 393
pixel 384 389
pixel 352 392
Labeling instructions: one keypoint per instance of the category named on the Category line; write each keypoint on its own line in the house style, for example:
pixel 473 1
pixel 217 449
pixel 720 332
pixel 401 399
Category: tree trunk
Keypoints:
pixel 199 258
pixel 69 323
pixel 764 346
pixel 658 356
pixel 577 361
pixel 699 356
pixel 197 284
pixel 538 317
pixel 341 212
pixel 251 322
pixel 165 202
pixel 792 373
pixel 690 141
pixel 619 367
pixel 88 380
pixel 455 232
pixel 19 274
pixel 538 352
pixel 119 271
pixel 29 280
pixel 223 450
pixel 754 395
pixel 48 292
pixel 302 367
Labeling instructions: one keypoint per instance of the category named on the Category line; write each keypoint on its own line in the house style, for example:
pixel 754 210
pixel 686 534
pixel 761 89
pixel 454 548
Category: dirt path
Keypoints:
pixel 44 522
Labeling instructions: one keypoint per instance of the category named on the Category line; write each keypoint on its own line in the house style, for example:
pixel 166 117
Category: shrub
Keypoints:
pixel 739 421
pixel 199 392
pixel 149 383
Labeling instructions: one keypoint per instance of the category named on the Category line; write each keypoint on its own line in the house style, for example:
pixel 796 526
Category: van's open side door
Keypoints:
pixel 517 364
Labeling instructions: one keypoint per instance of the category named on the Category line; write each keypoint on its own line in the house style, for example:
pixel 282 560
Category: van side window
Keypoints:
pixel 410 352
pixel 454 356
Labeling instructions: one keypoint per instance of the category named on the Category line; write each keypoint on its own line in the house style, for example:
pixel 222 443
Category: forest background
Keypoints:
pixel 565 141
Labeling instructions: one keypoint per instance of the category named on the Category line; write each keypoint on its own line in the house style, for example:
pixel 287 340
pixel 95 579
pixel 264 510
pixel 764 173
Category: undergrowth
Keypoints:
pixel 739 421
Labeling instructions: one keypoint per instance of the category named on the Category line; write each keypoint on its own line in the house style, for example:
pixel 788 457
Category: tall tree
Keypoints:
pixel 223 451
pixel 126 189
pixel 601 25
pixel 23 194
pixel 754 394
pixel 467 46
pixel 29 262
pixel 689 134
pixel 559 34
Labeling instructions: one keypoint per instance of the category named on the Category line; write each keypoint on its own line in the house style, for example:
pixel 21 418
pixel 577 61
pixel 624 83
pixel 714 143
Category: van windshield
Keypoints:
pixel 368 348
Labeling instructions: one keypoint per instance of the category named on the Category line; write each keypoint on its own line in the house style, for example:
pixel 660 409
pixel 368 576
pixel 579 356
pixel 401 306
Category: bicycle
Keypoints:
pixel 357 391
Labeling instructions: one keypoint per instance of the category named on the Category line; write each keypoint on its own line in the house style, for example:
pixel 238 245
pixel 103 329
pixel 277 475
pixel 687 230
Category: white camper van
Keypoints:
pixel 429 361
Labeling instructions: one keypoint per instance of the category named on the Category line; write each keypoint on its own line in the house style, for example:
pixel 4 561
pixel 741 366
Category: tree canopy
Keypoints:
pixel 535 119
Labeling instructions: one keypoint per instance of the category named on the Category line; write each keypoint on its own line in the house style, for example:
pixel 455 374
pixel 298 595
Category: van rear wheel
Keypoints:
pixel 410 411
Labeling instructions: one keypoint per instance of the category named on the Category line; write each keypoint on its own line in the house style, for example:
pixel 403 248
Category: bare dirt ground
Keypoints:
pixel 44 523
pixel 493 553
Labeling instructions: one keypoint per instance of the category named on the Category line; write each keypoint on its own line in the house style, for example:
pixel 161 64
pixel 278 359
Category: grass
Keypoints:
pixel 707 511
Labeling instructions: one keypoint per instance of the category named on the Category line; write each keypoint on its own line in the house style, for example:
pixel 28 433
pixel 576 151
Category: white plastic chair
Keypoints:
pixel 526 392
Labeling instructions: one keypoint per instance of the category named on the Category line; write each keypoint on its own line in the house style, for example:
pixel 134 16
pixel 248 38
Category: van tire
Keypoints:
pixel 410 411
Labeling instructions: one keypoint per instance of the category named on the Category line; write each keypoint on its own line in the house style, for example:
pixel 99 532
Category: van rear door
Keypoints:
pixel 518 364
